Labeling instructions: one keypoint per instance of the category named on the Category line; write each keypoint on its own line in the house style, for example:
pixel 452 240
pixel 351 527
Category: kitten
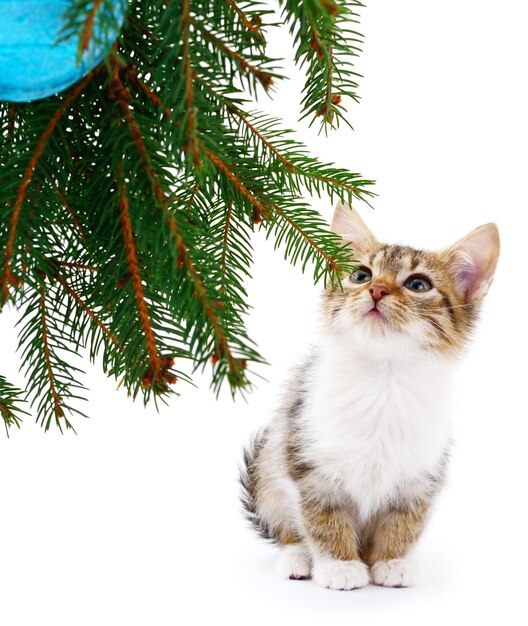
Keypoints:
pixel 343 478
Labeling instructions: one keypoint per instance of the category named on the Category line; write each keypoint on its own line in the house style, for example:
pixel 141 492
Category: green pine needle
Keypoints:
pixel 129 202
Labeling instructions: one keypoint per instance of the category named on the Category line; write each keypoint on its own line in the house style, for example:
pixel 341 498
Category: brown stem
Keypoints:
pixel 130 249
pixel 142 29
pixel 221 342
pixel 265 78
pixel 132 75
pixel 233 110
pixel 260 206
pixel 75 219
pixel 331 263
pixel 192 143
pixel 254 29
pixel 123 96
pixel 224 168
pixel 57 403
pixel 88 25
pixel 91 314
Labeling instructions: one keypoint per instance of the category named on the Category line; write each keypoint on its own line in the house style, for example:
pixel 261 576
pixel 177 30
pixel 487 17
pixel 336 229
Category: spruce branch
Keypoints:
pixel 54 383
pixel 7 277
pixel 84 307
pixel 325 45
pixel 240 63
pixel 10 399
pixel 157 375
pixel 128 204
pixel 252 25
pixel 192 146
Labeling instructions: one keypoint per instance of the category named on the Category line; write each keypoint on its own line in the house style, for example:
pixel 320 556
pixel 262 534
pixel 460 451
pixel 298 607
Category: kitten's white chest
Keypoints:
pixel 377 426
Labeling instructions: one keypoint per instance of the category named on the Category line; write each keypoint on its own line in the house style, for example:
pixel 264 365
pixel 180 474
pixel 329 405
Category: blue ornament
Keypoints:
pixel 33 63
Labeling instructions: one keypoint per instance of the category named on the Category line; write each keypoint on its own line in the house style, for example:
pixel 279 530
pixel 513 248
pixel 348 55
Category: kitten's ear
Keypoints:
pixel 347 223
pixel 474 259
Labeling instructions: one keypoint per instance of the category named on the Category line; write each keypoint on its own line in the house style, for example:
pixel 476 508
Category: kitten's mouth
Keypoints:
pixel 376 313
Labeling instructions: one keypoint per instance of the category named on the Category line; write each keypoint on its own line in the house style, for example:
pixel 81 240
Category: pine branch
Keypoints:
pixel 240 62
pixel 192 147
pixel 86 309
pixel 222 349
pixel 10 399
pixel 128 205
pixel 158 375
pixel 7 277
pixel 324 45
pixel 252 26
pixel 54 382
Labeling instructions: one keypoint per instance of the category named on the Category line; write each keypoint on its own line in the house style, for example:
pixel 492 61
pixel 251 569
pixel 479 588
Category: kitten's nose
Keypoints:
pixel 377 291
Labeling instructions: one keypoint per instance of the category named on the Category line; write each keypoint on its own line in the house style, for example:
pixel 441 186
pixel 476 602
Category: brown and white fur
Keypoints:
pixel 343 478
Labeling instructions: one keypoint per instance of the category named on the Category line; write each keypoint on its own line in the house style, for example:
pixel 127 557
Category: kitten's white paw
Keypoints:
pixel 340 574
pixel 393 573
pixel 294 562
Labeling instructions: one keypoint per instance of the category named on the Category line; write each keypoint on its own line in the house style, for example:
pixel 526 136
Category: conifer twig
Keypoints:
pixel 265 78
pixel 57 402
pixel 91 314
pixel 88 25
pixel 127 205
pixel 156 364
pixel 7 277
pixel 254 29
pixel 261 209
pixel 192 142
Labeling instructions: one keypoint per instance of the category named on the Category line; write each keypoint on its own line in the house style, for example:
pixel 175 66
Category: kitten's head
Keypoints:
pixel 402 299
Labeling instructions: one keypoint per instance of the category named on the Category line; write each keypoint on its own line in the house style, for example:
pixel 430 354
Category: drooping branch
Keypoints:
pixel 254 29
pixel 264 78
pixel 132 75
pixel 310 240
pixel 121 93
pixel 7 277
pixel 142 307
pixel 75 218
pixel 192 146
pixel 225 243
pixel 154 264
pixel 88 311
pixel 57 402
pixel 260 209
pixel 10 399
pixel 291 167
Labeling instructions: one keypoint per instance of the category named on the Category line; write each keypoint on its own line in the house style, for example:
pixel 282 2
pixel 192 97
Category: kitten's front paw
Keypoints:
pixel 294 562
pixel 344 575
pixel 393 573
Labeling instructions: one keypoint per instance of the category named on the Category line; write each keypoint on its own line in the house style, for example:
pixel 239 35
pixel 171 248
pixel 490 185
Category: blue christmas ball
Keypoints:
pixel 34 61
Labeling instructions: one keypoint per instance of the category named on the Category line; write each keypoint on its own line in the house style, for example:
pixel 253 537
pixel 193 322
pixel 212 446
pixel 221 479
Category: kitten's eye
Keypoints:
pixel 418 283
pixel 361 275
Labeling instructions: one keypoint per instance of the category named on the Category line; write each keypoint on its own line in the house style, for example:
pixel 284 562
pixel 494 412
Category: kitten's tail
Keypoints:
pixel 249 479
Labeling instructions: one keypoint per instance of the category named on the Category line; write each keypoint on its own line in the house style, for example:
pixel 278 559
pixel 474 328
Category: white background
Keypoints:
pixel 136 520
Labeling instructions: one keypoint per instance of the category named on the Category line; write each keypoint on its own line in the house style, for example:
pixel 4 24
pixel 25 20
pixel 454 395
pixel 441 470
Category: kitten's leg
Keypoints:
pixel 392 534
pixel 332 537
pixel 294 561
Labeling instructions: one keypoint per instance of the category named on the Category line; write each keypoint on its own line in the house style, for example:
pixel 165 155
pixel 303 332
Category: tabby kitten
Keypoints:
pixel 343 478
